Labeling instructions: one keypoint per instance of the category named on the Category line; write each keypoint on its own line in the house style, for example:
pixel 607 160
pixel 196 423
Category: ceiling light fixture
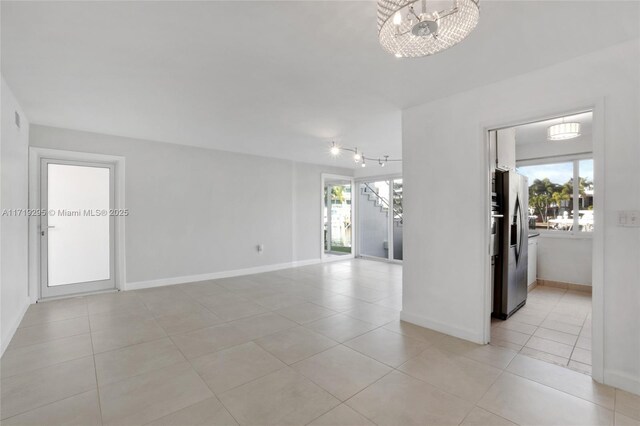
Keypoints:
pixel 414 28
pixel 335 149
pixel 563 131
pixel 359 158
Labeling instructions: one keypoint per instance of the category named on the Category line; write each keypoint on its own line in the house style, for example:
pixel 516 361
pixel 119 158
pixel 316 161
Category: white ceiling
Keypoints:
pixel 275 78
pixel 537 132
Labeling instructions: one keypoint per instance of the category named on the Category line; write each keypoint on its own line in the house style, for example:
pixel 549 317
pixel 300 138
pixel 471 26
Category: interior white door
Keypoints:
pixel 78 231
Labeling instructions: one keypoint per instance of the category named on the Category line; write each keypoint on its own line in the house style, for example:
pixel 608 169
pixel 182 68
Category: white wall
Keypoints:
pixel 14 145
pixel 445 204
pixel 197 211
pixel 566 259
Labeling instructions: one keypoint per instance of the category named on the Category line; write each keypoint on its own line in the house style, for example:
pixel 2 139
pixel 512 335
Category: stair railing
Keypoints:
pixel 397 212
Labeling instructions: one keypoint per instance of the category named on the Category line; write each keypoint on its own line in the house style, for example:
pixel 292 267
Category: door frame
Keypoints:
pixel 597 106
pixel 47 292
pixel 390 254
pixel 323 178
pixel 36 155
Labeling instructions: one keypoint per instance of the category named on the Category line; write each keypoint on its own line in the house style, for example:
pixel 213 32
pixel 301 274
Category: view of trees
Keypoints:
pixel 547 198
pixel 337 194
pixel 340 206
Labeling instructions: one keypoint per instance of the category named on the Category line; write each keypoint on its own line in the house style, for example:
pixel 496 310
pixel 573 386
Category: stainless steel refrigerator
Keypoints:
pixel 512 223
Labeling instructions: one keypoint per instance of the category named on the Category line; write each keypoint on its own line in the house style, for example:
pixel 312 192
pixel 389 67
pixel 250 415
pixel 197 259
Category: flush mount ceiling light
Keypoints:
pixel 563 131
pixel 413 28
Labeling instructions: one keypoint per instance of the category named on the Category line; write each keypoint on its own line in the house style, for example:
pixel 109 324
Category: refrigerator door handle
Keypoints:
pixel 524 225
pixel 519 228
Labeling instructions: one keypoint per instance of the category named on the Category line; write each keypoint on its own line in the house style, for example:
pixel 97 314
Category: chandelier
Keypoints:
pixel 413 28
pixel 563 131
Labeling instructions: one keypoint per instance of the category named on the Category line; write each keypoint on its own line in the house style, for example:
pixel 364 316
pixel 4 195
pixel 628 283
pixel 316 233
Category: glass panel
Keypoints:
pixel 550 196
pixel 397 219
pixel 585 169
pixel 78 242
pixel 374 219
pixel 337 223
pixel 327 203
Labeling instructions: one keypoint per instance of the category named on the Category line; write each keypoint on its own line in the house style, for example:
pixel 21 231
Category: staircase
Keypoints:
pixel 383 204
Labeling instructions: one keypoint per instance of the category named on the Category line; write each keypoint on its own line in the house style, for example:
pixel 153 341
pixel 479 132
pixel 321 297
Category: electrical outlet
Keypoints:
pixel 260 248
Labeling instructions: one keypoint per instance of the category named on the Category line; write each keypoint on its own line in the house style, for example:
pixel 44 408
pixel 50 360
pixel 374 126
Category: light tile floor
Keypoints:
pixel 319 345
pixel 554 326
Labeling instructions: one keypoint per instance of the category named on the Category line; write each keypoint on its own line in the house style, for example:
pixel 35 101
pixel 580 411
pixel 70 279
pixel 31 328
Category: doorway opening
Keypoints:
pixel 380 218
pixel 78 231
pixel 337 223
pixel 77 243
pixel 542 264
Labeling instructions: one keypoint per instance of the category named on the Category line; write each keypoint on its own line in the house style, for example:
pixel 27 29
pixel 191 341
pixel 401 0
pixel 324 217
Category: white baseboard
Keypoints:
pixel 137 285
pixel 327 259
pixel 442 327
pixel 6 339
pixel 622 381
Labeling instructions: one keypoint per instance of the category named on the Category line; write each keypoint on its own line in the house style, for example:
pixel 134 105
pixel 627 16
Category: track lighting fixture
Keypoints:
pixel 358 157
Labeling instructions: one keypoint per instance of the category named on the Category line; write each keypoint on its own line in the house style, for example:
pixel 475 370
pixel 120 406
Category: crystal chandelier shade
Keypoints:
pixel 413 28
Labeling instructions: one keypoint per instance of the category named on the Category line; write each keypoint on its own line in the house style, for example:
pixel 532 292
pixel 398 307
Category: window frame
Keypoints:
pixel 557 159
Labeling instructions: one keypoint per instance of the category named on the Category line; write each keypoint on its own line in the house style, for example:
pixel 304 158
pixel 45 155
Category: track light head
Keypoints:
pixel 335 149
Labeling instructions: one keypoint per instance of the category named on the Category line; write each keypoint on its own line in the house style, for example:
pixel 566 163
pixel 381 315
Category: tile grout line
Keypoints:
pixel 562 391
pixel 475 404
pixel 95 372
pixel 54 364
pixel 48 404
pixel 52 402
pixel 203 381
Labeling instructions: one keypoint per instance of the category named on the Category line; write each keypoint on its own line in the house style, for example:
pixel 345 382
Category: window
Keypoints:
pixel 555 204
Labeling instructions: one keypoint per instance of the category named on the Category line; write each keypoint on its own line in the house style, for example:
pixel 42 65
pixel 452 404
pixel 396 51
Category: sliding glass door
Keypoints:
pixel 396 229
pixel 373 211
pixel 380 218
pixel 337 217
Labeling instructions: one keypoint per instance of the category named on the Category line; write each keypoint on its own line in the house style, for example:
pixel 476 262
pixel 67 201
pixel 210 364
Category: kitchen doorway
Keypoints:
pixel 551 320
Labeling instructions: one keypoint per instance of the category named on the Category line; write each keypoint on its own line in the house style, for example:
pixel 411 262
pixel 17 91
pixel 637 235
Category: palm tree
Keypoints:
pixel 337 194
pixel 541 196
pixel 583 185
